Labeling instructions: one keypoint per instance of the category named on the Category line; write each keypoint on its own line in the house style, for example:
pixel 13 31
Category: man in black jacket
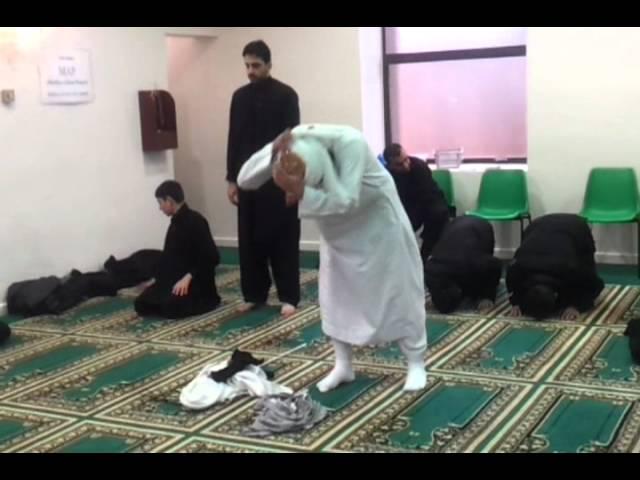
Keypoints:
pixel 268 229
pixel 421 196
pixel 185 284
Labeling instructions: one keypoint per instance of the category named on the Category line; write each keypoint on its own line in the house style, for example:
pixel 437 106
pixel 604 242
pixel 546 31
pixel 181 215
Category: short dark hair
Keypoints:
pixel 170 189
pixel 392 151
pixel 258 49
pixel 539 302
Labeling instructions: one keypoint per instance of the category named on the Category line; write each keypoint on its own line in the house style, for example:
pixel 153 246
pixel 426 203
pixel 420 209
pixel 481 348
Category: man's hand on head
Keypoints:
pixel 283 143
pixel 293 185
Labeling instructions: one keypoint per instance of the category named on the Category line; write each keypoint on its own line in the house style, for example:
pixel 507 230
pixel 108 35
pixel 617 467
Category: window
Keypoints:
pixel 457 88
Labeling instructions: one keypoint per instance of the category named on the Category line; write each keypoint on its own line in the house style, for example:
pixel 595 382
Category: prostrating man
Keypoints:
pixel 554 269
pixel 462 266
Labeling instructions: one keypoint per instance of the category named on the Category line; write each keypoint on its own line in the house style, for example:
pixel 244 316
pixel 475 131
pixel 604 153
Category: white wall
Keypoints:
pixel 584 111
pixel 320 63
pixel 372 87
pixel 192 71
pixel 76 186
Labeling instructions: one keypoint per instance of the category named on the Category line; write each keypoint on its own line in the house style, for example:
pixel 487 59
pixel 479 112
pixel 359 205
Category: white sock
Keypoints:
pixel 416 377
pixel 342 371
pixel 416 372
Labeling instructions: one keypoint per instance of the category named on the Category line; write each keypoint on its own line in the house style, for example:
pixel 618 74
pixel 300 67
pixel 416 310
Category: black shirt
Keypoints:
pixel 260 112
pixel 189 248
pixel 420 195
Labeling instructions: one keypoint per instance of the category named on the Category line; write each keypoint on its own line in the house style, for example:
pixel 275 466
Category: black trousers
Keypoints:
pixel 268 236
pixel 432 233
pixel 159 301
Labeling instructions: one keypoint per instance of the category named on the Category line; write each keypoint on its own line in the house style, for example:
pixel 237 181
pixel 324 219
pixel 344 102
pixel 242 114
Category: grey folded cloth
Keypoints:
pixel 285 414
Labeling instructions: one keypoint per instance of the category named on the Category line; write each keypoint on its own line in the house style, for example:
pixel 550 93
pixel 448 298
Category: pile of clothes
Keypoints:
pixel 226 381
pixel 53 296
pixel 279 410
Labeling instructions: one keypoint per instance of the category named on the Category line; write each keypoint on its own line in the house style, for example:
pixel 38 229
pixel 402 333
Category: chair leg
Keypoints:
pixel 521 229
pixel 528 217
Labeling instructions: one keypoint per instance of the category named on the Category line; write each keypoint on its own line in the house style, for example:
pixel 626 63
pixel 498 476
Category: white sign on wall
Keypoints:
pixel 65 77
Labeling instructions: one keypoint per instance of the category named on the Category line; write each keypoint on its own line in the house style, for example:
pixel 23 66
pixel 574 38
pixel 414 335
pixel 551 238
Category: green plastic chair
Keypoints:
pixel 611 197
pixel 503 197
pixel 445 181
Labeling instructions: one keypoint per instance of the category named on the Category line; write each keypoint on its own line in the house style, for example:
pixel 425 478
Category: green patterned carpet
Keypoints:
pixel 100 379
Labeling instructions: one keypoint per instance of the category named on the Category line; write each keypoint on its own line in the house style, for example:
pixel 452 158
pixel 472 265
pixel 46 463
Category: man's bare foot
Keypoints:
pixel 515 312
pixel 246 307
pixel 485 306
pixel 287 310
pixel 570 314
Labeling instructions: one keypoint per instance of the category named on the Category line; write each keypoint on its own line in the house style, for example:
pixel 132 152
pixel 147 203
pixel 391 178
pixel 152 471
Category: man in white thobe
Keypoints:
pixel 371 287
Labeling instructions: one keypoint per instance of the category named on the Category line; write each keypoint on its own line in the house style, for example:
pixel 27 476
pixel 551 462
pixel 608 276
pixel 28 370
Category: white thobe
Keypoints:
pixel 371 287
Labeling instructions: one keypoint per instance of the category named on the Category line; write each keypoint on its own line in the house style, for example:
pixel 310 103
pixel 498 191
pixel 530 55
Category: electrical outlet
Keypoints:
pixel 8 96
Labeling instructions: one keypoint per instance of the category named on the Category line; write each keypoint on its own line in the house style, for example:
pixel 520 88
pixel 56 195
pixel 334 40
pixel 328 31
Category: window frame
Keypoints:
pixel 391 59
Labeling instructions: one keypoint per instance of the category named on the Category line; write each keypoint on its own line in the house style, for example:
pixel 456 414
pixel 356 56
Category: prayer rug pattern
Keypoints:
pixel 101 379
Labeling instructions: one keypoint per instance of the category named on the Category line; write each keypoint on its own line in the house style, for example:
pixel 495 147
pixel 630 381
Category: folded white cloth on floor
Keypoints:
pixel 203 392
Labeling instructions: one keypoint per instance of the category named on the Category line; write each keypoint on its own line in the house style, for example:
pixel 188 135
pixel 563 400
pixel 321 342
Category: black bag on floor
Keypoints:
pixel 139 267
pixel 28 298
pixel 80 287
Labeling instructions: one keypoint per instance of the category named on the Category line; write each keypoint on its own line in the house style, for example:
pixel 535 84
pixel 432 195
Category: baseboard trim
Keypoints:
pixel 611 258
pixel 617 258
pixel 226 242
pixel 232 242
pixel 614 258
